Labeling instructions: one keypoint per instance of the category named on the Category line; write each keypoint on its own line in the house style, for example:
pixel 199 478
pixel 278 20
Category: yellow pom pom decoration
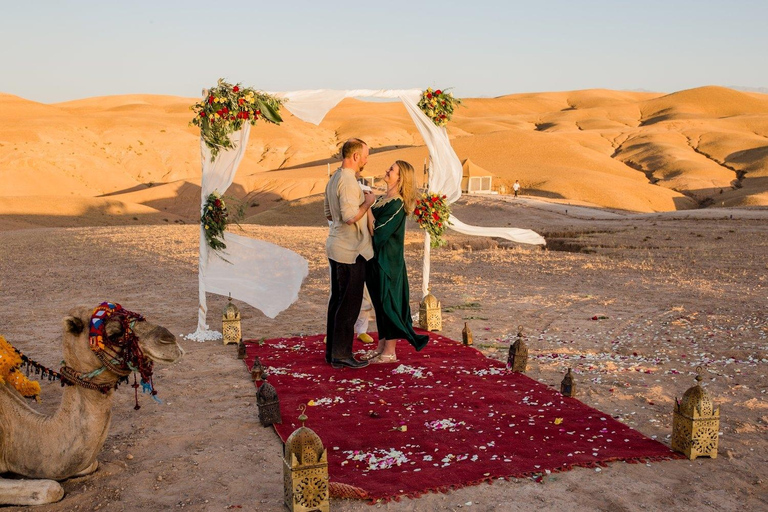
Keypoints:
pixel 10 361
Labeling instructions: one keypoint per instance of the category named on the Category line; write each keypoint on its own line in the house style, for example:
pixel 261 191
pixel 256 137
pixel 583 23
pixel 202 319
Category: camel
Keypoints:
pixel 65 444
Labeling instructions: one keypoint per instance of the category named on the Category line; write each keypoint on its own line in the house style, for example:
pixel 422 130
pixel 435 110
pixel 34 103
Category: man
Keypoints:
pixel 516 187
pixel 348 248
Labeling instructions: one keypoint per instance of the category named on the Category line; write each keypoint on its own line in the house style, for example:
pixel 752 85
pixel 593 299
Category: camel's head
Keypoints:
pixel 126 344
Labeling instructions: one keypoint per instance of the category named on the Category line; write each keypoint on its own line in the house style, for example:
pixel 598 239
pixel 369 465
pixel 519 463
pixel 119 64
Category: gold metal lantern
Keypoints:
pixel 305 471
pixel 230 320
pixel 257 370
pixel 466 335
pixel 269 405
pixel 517 361
pixel 695 423
pixel 567 386
pixel 430 317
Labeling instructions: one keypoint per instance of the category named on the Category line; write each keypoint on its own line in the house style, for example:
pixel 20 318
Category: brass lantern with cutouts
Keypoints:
pixel 305 471
pixel 269 405
pixel 517 361
pixel 430 317
pixel 695 423
pixel 230 320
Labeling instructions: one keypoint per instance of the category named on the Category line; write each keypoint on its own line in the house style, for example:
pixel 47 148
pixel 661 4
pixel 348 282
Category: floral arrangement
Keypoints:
pixel 438 105
pixel 215 219
pixel 432 213
pixel 226 107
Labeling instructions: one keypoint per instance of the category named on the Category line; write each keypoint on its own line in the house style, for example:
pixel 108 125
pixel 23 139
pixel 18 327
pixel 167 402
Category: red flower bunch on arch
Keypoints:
pixel 433 213
pixel 226 107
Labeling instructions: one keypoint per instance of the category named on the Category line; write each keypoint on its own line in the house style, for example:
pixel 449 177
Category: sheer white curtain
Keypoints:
pixel 264 275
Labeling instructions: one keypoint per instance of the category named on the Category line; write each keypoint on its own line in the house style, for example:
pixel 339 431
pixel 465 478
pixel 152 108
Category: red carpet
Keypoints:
pixel 439 419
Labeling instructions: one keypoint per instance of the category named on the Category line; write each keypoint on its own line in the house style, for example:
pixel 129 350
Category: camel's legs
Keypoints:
pixel 29 492
pixel 87 471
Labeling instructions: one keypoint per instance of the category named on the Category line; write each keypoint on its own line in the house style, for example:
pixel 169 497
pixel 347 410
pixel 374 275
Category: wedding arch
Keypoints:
pixel 267 276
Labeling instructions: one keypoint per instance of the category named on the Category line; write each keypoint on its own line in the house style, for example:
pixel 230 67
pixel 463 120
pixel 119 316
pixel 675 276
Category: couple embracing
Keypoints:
pixel 365 246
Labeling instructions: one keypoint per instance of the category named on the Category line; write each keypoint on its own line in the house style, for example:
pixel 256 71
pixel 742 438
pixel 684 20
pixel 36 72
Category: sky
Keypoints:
pixel 54 50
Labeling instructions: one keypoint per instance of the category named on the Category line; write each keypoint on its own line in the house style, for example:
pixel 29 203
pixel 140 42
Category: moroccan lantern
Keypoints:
pixel 269 405
pixel 517 361
pixel 466 335
pixel 257 370
pixel 305 471
pixel 695 423
pixel 241 349
pixel 567 386
pixel 230 320
pixel 430 317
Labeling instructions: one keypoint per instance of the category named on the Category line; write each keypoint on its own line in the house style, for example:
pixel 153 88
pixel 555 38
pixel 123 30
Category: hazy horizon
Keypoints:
pixel 81 49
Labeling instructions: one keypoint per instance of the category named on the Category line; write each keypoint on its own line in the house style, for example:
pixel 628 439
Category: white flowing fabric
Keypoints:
pixel 445 167
pixel 523 236
pixel 264 275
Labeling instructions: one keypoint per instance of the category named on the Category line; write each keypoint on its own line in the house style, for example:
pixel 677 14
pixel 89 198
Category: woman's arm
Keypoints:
pixel 370 221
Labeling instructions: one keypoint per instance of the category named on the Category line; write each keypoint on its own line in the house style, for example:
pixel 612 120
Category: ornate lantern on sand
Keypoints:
pixel 695 423
pixel 466 335
pixel 305 470
pixel 567 386
pixel 430 317
pixel 517 361
pixel 230 320
pixel 269 405
pixel 257 370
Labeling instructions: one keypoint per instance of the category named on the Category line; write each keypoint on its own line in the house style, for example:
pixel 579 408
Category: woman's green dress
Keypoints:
pixel 387 279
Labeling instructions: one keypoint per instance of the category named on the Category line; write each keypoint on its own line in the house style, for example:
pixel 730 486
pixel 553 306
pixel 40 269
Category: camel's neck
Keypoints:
pixel 83 411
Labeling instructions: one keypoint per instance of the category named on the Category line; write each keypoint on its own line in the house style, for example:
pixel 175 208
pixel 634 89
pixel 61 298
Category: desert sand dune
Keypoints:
pixel 710 102
pixel 629 150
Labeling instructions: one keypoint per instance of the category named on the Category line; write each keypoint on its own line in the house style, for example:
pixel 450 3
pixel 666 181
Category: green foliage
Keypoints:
pixel 215 219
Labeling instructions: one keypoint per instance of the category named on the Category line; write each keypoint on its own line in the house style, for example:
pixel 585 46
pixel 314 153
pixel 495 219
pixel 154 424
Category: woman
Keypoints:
pixel 386 274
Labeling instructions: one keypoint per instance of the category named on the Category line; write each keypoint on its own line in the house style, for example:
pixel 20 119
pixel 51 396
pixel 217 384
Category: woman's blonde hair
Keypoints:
pixel 407 187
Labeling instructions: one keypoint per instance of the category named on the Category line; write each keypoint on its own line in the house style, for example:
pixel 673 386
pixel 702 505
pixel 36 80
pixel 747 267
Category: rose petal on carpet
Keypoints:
pixel 439 419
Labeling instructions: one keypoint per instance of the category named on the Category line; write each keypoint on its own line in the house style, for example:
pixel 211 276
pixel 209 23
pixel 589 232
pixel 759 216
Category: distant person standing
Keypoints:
pixel 516 187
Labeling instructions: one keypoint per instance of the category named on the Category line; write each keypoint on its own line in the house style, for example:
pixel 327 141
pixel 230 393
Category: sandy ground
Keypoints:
pixel 678 289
